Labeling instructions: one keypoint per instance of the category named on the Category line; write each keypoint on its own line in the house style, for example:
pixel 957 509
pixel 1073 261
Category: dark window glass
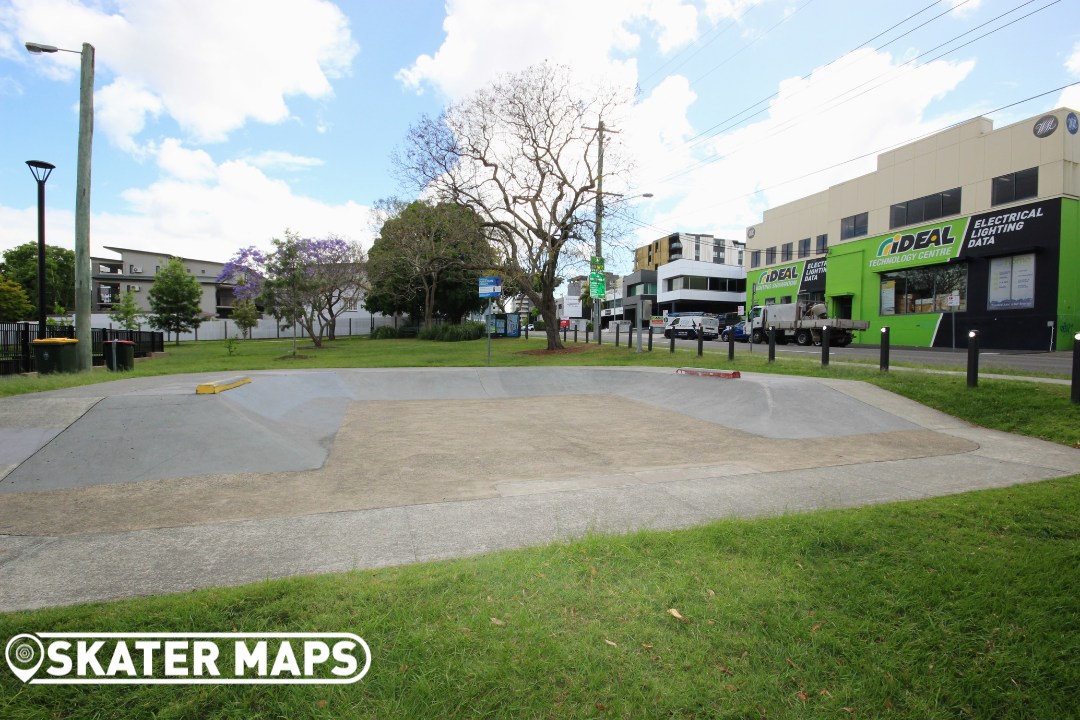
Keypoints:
pixel 822 244
pixel 853 226
pixel 862 224
pixel 950 202
pixel 1027 183
pixel 915 212
pixel 931 207
pixel 1015 186
pixel 755 258
pixel 770 255
pixel 804 248
pixel 786 252
pixel 898 215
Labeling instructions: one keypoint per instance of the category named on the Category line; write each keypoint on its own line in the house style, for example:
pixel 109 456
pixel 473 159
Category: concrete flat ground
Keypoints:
pixel 139 486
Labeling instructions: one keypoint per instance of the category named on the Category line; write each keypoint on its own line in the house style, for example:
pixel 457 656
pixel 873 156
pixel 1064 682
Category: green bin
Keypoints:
pixel 55 355
pixel 119 354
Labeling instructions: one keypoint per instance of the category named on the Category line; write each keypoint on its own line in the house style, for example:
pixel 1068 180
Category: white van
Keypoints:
pixel 688 326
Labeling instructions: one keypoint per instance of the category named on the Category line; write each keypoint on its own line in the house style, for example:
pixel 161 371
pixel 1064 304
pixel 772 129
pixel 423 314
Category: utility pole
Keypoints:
pixel 599 250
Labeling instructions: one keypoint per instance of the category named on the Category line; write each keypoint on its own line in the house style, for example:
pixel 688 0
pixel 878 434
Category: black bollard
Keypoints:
pixel 526 332
pixel 575 333
pixel 825 341
pixel 650 338
pixel 885 349
pixel 731 343
pixel 630 337
pixel 700 342
pixel 672 350
pixel 772 344
pixel 1076 369
pixel 973 359
pixel 598 329
pixel 616 334
pixel 564 334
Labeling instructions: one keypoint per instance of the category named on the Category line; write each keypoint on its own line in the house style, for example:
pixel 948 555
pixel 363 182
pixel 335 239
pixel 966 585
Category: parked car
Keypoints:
pixel 741 330
pixel 689 326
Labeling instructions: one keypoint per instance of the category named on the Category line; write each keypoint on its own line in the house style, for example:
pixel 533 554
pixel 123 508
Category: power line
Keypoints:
pixel 825 106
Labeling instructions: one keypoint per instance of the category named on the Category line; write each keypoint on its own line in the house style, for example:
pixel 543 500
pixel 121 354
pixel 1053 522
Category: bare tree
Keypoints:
pixel 522 155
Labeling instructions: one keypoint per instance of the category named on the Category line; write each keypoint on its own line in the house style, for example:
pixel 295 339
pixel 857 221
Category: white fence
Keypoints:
pixel 351 323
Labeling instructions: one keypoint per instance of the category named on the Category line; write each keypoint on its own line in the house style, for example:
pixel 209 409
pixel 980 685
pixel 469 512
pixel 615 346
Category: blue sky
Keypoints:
pixel 220 123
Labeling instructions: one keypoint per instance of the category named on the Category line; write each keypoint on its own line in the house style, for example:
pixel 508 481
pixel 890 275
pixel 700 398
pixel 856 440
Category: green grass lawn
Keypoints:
pixel 963 606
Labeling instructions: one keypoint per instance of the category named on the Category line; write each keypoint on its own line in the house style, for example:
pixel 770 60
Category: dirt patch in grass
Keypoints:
pixel 295 357
pixel 567 350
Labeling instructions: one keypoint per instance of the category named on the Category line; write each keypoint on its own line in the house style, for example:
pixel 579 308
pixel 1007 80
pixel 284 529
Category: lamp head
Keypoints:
pixel 38 48
pixel 40 169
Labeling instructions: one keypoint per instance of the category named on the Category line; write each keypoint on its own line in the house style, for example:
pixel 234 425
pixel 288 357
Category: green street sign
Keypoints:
pixel 597 284
pixel 596 264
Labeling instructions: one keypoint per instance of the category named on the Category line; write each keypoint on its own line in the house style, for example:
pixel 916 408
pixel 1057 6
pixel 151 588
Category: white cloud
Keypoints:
pixel 965 7
pixel 485 37
pixel 279 159
pixel 212 65
pixel 183 164
pixel 805 131
pixel 1073 63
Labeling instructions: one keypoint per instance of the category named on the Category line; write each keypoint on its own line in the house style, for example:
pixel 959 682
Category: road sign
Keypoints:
pixel 490 286
pixel 597 285
pixel 596 264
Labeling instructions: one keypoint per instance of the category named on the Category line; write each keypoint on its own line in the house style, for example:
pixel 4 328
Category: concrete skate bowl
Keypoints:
pixel 149 453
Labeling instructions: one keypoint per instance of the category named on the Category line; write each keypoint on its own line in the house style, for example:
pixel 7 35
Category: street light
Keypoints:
pixel 41 171
pixel 84 349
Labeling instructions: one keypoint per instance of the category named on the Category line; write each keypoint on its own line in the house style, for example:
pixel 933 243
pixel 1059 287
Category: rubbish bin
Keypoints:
pixel 55 355
pixel 119 354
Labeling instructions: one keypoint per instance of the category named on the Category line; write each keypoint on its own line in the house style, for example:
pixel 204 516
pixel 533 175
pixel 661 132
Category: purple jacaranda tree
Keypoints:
pixel 304 281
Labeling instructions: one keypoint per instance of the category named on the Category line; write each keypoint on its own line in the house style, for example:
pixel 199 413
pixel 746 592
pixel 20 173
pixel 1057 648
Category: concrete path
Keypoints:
pixel 140 487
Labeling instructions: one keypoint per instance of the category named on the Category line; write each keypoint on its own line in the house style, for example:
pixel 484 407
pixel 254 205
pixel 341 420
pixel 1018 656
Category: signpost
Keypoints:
pixel 597 290
pixel 490 287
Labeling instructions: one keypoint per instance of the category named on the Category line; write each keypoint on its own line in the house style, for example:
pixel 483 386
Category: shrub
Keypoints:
pixel 453 333
pixel 384 332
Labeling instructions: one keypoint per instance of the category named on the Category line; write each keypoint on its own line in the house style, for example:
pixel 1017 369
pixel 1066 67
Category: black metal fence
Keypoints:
pixel 17 353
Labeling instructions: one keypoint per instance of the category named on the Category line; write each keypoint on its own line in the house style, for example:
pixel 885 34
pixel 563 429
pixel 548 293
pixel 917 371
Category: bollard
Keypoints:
pixel 700 342
pixel 825 340
pixel 772 343
pixel 598 333
pixel 526 331
pixel 630 337
pixel 1076 369
pixel 586 334
pixel 731 343
pixel 616 334
pixel 973 359
pixel 885 349
pixel 672 350
pixel 650 338
pixel 575 333
pixel 564 334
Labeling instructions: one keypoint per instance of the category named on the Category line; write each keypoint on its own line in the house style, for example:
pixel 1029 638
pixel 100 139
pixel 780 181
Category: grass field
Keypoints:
pixel 964 606
pixel 955 607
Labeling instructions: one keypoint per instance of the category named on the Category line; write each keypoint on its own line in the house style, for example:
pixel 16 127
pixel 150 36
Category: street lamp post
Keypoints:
pixel 84 350
pixel 41 171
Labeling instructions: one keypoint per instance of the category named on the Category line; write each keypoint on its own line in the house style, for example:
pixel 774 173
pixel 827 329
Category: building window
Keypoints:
pixel 925 209
pixel 1012 283
pixel 804 248
pixel 785 299
pixel 937 288
pixel 770 255
pixel 822 244
pixel 786 252
pixel 854 226
pixel 755 258
pixel 1015 186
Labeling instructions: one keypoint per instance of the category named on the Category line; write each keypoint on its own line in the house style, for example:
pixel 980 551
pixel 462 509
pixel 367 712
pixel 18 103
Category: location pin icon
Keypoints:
pixel 24 654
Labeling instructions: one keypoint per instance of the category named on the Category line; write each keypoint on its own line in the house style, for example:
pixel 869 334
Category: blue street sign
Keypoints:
pixel 490 286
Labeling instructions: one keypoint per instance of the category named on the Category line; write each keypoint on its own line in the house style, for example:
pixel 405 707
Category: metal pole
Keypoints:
pixel 973 359
pixel 825 342
pixel 1076 369
pixel 650 337
pixel 489 331
pixel 885 349
pixel 700 341
pixel 41 257
pixel 83 283
pixel 772 343
pixel 672 344
pixel 731 343
pixel 616 334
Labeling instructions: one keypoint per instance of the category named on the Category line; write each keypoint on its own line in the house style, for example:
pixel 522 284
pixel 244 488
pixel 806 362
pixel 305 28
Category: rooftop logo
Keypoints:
pixel 187 658
pixel 1045 126
pixel 898 244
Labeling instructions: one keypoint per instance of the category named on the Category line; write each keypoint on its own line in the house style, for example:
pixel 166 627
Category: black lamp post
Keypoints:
pixel 41 171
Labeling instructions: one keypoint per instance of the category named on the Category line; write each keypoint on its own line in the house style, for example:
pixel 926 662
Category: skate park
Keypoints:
pixel 141 486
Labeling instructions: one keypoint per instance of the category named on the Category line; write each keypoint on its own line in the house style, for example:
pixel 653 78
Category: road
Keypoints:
pixel 1022 361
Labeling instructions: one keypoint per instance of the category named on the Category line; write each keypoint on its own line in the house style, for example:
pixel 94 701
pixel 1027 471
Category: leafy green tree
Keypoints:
pixel 174 299
pixel 429 256
pixel 14 305
pixel 126 312
pixel 246 316
pixel 20 265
